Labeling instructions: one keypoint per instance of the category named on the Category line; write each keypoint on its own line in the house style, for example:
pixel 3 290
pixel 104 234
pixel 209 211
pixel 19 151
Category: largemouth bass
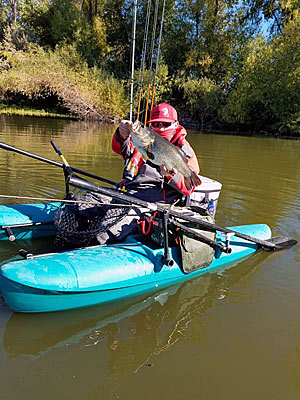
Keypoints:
pixel 161 152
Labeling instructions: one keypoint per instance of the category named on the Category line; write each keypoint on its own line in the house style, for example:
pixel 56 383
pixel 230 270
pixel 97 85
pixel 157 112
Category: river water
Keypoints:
pixel 231 335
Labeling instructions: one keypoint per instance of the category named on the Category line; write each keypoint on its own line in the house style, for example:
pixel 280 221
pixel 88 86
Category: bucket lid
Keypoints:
pixel 208 185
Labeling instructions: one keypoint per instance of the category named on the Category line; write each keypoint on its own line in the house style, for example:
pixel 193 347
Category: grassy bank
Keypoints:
pixel 32 112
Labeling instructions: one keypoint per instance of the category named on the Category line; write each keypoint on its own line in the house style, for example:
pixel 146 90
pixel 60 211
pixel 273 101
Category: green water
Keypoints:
pixel 232 335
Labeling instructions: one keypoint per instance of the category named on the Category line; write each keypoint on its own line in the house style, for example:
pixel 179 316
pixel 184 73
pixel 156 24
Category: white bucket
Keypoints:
pixel 206 195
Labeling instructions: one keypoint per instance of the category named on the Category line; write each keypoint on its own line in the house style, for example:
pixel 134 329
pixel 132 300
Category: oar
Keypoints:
pixel 276 243
pixel 79 183
pixel 8 147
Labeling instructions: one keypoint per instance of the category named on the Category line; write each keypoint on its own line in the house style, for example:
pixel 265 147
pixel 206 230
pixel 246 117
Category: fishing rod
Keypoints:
pixel 151 60
pixel 143 58
pixel 157 55
pixel 8 147
pixel 132 61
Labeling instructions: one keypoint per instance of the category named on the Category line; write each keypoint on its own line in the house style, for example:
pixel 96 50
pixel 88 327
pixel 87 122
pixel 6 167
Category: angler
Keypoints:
pixel 148 181
pixel 142 178
pixel 162 153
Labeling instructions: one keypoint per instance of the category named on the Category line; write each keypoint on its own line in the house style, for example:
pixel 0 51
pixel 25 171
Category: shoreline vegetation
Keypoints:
pixel 64 60
pixel 32 112
pixel 40 113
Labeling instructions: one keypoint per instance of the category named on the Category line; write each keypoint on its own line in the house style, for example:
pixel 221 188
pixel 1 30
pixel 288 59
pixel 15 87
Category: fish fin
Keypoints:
pixel 196 179
pixel 184 156
pixel 150 154
pixel 191 181
pixel 187 182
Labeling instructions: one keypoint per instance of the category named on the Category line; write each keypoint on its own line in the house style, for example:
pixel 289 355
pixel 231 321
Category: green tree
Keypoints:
pixel 267 94
pixel 61 21
pixel 212 35
pixel 275 12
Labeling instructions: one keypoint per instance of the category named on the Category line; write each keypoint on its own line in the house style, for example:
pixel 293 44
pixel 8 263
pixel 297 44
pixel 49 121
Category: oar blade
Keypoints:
pixel 280 242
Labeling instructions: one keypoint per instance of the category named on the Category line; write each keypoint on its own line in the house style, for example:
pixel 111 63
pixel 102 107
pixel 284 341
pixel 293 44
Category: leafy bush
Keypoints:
pixel 85 92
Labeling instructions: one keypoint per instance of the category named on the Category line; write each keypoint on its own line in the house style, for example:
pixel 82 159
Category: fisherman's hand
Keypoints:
pixel 124 130
pixel 168 174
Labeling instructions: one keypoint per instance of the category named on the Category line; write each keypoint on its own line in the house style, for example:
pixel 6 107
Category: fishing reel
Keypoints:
pixel 131 166
pixel 129 170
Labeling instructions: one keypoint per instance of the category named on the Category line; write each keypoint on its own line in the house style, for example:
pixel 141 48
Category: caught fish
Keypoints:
pixel 161 152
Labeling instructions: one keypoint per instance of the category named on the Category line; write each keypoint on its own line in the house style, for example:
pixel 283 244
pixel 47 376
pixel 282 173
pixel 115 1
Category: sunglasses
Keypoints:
pixel 161 124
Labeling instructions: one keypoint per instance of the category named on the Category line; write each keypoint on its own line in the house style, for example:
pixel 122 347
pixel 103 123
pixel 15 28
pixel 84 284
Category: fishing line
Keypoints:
pixel 132 61
pixel 151 60
pixel 157 55
pixel 47 200
pixel 143 58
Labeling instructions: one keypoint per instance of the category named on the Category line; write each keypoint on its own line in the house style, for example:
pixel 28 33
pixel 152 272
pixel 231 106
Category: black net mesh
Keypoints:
pixel 78 224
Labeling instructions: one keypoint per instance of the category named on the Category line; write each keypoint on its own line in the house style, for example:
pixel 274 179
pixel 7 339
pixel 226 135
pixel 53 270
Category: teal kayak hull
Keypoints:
pixel 103 274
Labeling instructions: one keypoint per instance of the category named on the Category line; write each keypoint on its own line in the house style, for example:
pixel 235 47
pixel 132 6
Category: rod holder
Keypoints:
pixel 169 262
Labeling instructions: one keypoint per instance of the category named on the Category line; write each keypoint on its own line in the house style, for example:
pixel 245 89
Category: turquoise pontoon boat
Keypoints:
pixel 92 275
pixel 96 274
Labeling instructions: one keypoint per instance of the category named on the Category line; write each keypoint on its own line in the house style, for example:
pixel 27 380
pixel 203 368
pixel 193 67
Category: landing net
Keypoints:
pixel 79 224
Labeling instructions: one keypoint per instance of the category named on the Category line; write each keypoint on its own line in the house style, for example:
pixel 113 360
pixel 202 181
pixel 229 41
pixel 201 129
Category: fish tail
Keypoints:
pixel 196 179
pixel 192 180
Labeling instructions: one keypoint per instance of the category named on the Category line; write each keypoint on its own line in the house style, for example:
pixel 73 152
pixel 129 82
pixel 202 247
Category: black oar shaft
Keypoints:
pixel 90 187
pixel 8 147
pixel 82 184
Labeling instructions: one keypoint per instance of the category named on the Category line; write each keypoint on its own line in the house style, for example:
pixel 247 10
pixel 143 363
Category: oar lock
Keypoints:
pixel 25 254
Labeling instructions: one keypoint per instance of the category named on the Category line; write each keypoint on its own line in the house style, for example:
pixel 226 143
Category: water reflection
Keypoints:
pixel 89 327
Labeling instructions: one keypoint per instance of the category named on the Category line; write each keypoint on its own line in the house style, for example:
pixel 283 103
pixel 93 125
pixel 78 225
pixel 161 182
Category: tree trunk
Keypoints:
pixel 91 11
pixel 14 10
